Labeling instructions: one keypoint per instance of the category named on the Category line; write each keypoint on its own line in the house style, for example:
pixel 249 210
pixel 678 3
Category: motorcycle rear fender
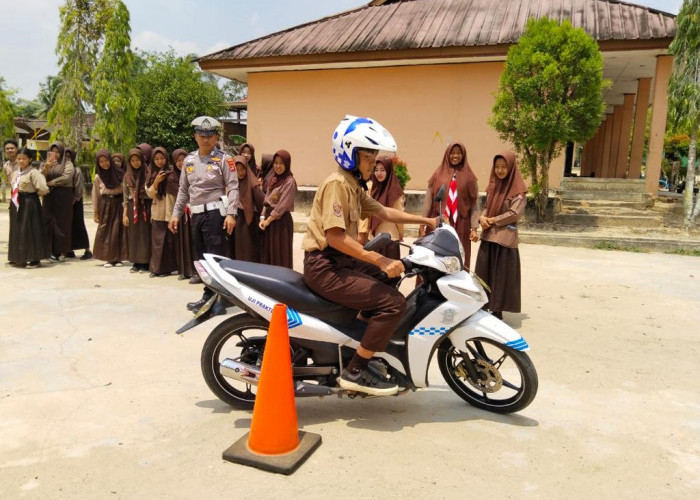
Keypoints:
pixel 483 324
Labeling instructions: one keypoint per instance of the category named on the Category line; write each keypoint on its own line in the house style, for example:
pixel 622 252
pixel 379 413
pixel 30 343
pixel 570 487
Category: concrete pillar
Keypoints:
pixel 615 141
pixel 606 146
pixel 657 129
pixel 624 144
pixel 599 149
pixel 640 123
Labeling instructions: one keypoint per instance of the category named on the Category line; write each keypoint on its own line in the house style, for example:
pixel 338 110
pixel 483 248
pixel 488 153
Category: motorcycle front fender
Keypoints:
pixel 483 324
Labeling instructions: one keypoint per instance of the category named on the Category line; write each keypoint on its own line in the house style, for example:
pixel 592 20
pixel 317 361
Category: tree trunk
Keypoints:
pixel 543 182
pixel 690 214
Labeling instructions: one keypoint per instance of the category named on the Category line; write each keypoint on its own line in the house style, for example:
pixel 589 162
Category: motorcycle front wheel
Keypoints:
pixel 488 374
pixel 242 339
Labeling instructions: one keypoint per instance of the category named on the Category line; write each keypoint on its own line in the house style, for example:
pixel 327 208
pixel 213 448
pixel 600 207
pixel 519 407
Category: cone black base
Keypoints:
pixel 239 453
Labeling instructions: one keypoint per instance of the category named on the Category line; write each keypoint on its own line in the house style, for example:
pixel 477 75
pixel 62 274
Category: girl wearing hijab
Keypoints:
pixel 163 258
pixel 79 235
pixel 58 203
pixel 460 202
pixel 387 190
pixel 498 261
pixel 183 239
pixel 137 217
pixel 266 171
pixel 120 163
pixel 28 244
pixel 276 218
pixel 246 235
pixel 247 150
pixel 107 199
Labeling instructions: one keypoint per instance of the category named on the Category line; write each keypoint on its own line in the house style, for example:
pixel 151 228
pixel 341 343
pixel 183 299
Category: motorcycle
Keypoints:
pixel 482 359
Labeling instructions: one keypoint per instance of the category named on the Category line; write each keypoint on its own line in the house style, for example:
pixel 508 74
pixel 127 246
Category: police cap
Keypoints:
pixel 206 125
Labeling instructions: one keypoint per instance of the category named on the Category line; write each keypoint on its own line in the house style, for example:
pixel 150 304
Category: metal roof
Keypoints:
pixel 438 24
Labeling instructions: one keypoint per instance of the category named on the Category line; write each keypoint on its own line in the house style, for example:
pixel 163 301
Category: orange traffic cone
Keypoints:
pixel 274 442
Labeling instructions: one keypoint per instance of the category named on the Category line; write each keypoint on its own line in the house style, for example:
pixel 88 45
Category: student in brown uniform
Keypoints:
pixel 107 199
pixel 163 257
pixel 137 217
pixel 247 236
pixel 9 148
pixel 184 251
pixel 247 150
pixel 266 171
pixel 120 163
pixel 276 218
pixel 387 190
pixel 28 244
pixel 58 203
pixel 498 260
pixel 79 235
pixel 461 201
pixel 335 264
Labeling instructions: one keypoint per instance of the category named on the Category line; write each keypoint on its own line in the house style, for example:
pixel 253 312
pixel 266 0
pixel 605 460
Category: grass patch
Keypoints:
pixel 611 245
pixel 681 251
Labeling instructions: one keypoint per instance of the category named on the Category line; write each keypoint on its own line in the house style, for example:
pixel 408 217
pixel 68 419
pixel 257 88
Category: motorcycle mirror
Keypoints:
pixel 440 194
pixel 378 242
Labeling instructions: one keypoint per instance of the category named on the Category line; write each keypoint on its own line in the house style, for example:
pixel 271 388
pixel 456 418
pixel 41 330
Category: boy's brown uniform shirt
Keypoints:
pixel 339 202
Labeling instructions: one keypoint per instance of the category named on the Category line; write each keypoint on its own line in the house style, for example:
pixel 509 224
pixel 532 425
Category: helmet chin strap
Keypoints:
pixel 358 175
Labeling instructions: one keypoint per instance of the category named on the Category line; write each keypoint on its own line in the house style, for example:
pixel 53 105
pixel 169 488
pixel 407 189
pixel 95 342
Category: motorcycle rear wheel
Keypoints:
pixel 505 382
pixel 222 343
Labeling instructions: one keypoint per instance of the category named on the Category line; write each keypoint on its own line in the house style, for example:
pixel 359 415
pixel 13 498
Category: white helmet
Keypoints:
pixel 353 133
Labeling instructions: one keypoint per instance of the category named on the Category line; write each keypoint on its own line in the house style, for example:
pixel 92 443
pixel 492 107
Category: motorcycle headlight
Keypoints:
pixel 452 264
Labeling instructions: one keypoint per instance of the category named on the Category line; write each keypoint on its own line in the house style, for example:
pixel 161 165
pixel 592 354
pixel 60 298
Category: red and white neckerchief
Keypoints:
pixel 451 202
pixel 15 191
pixel 136 211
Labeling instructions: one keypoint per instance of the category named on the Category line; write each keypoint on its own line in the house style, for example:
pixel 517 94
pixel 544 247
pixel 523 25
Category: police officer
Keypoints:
pixel 335 264
pixel 210 185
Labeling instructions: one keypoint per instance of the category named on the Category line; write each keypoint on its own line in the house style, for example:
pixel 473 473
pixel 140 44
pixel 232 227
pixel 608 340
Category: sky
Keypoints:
pixel 28 29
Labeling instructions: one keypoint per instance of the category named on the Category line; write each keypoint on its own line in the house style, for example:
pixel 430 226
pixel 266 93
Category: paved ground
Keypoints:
pixel 100 399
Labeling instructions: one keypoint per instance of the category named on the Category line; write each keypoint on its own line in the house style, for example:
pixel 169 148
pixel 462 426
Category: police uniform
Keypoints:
pixel 340 202
pixel 203 183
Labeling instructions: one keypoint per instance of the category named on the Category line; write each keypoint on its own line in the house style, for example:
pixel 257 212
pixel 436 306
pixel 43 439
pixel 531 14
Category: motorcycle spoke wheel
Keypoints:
pixel 242 339
pixel 489 375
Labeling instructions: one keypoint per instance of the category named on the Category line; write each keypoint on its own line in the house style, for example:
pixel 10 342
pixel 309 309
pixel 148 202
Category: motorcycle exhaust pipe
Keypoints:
pixel 251 375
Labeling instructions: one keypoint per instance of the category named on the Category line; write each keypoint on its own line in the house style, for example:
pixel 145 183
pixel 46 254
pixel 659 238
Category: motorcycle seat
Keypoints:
pixel 287 287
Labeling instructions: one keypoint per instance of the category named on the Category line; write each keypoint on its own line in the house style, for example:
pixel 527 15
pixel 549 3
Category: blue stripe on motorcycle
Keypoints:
pixel 432 330
pixel 293 318
pixel 518 345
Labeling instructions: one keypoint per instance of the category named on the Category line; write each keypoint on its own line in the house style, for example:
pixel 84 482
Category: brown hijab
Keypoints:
pixel 286 158
pixel 110 177
pixel 245 189
pixel 467 193
pixel 386 192
pixel 57 170
pixel 251 163
pixel 155 170
pixel 120 170
pixel 500 190
pixel 136 178
pixel 173 182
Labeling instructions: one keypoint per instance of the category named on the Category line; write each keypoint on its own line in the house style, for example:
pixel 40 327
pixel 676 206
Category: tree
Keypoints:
pixel 550 93
pixel 77 47
pixel 684 94
pixel 26 108
pixel 7 116
pixel 234 90
pixel 47 94
pixel 172 91
pixel 116 104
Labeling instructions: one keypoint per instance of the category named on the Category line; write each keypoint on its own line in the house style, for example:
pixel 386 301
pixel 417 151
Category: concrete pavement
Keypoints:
pixel 100 399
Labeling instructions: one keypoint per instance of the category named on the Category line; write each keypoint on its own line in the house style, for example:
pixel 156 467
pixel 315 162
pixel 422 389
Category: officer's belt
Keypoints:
pixel 200 209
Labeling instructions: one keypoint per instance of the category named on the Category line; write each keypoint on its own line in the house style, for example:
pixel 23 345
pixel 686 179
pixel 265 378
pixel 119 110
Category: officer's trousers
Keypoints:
pixel 208 236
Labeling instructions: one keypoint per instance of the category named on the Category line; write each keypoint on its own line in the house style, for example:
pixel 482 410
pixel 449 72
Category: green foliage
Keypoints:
pixel 676 146
pixel 401 171
pixel 684 87
pixel 48 90
pixel 681 251
pixel 234 90
pixel 550 93
pixel 78 44
pixel 172 91
pixel 237 140
pixel 7 117
pixel 611 245
pixel 26 108
pixel 116 104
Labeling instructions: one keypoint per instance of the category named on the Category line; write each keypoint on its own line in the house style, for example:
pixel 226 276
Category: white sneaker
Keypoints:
pixel 117 264
pixel 107 264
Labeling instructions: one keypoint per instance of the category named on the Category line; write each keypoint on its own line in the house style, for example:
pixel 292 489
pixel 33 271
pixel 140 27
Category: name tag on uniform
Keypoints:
pixel 189 170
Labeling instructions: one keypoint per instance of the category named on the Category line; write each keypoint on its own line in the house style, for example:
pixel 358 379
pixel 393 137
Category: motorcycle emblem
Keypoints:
pixel 448 316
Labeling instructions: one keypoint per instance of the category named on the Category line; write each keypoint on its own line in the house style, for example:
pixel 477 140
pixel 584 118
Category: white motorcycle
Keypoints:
pixel 482 359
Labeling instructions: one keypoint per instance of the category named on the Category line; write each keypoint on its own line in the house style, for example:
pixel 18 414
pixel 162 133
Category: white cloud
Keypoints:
pixel 150 41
